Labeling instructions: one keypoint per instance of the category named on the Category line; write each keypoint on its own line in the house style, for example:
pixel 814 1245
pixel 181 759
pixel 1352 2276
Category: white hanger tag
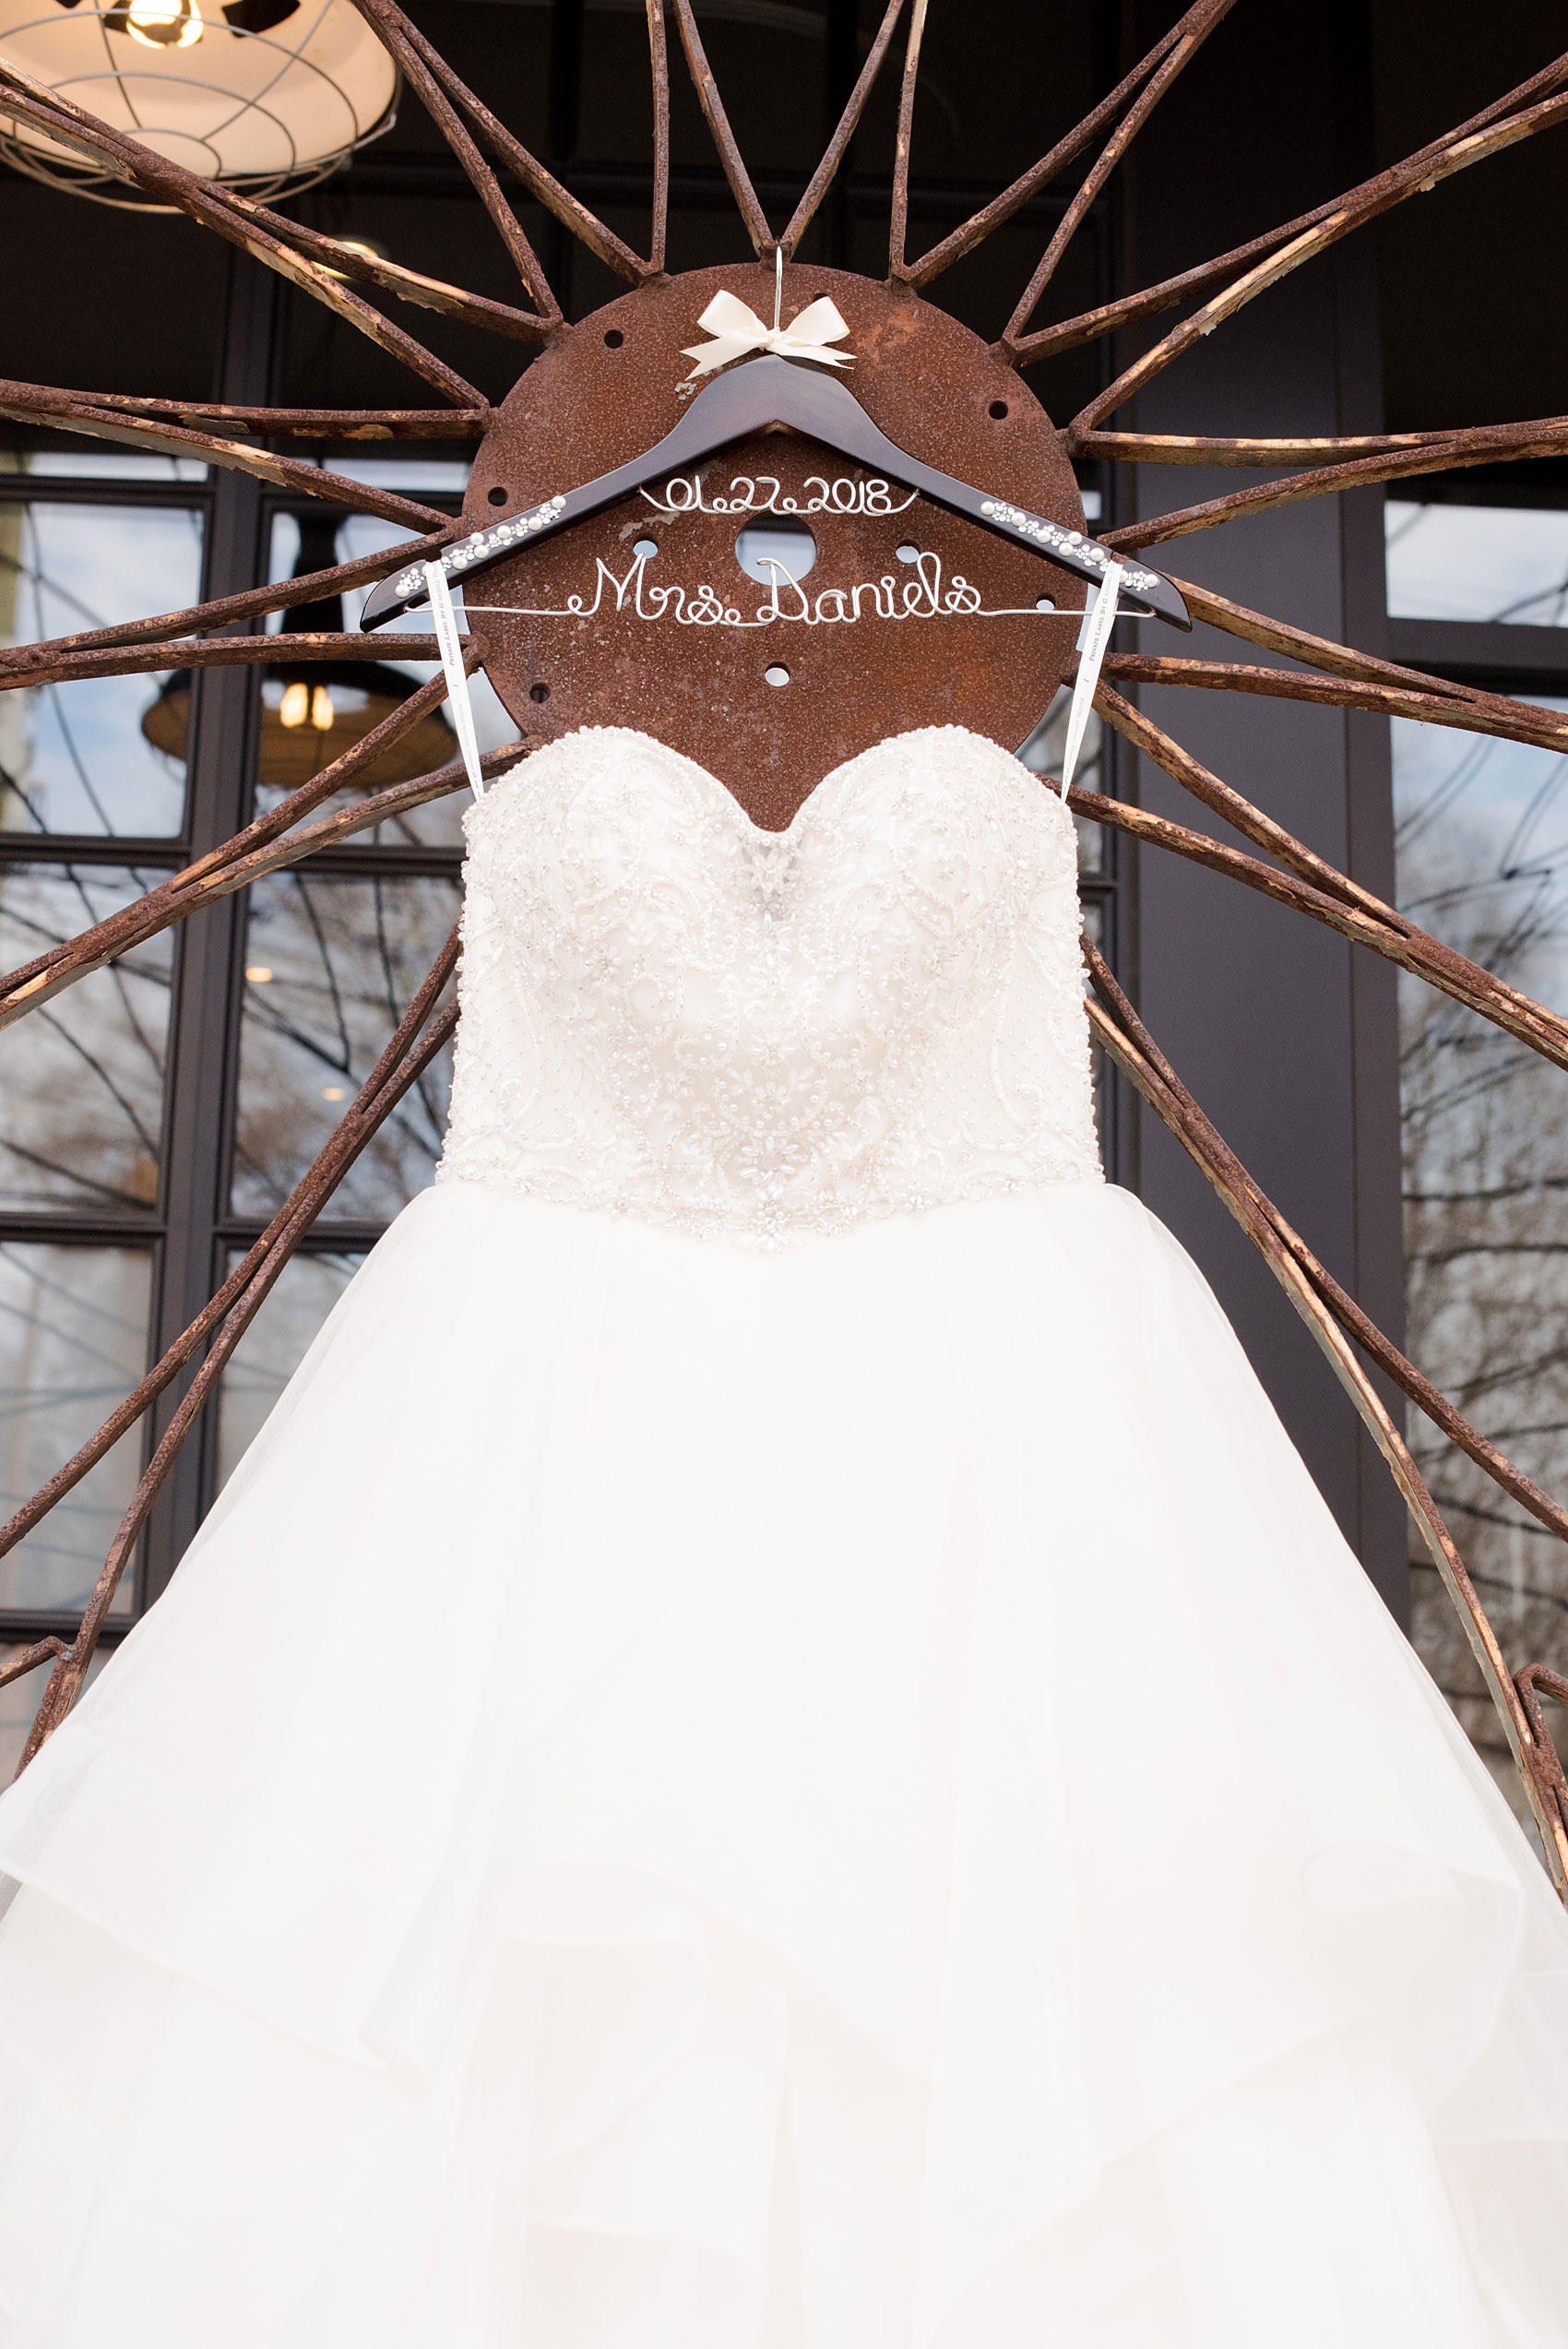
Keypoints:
pixel 451 646
pixel 1099 618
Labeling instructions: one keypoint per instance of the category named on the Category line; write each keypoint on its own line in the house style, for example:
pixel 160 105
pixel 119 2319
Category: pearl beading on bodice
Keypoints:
pixel 670 1013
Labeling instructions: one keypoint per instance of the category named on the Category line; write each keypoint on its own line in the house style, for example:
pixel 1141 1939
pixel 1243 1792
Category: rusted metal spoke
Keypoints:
pixel 1322 891
pixel 1404 180
pixel 1461 449
pixel 234 218
pixel 291 423
pixel 659 68
pixel 77 412
pixel 585 225
pixel 1412 949
pixel 1318 652
pixel 1380 1349
pixel 1197 448
pixel 1040 175
pixel 1512 722
pixel 190 1341
pixel 899 226
pixel 1198 24
pixel 34 664
pixel 735 171
pixel 224 869
pixel 1152 300
pixel 222 875
pixel 1536 1680
pixel 848 122
pixel 221 653
pixel 391 276
pixel 1123 1036
pixel 387 24
pixel 26 1660
pixel 405 1059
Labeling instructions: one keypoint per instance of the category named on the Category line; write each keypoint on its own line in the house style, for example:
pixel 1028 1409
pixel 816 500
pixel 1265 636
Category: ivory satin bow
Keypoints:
pixel 737 330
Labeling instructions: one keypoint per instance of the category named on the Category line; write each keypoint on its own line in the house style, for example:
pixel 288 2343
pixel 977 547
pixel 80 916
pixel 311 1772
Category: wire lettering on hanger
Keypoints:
pixel 840 496
pixel 924 597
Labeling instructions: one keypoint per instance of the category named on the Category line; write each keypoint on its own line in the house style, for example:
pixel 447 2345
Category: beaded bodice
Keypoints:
pixel 668 1012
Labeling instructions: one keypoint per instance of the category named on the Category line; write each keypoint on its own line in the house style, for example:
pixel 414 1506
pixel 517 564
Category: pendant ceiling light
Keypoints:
pixel 272 94
pixel 313 711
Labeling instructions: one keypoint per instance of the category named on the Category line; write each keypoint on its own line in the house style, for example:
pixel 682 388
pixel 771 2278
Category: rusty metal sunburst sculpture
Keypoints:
pixel 603 388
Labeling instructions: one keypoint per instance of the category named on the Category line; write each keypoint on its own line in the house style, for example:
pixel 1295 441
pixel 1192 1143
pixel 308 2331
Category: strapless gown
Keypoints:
pixel 772 1748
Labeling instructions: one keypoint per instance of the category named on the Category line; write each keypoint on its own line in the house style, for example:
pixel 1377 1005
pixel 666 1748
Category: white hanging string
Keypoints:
pixel 451 646
pixel 1099 617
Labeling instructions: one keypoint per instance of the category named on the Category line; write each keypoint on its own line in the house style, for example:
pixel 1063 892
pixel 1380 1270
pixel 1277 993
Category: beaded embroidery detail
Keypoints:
pixel 670 1012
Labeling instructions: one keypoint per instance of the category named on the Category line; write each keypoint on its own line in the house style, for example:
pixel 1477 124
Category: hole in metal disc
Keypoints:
pixel 998 408
pixel 613 339
pixel 777 674
pixel 790 545
pixel 1045 604
pixel 908 553
pixel 646 547
pixel 498 497
pixel 539 693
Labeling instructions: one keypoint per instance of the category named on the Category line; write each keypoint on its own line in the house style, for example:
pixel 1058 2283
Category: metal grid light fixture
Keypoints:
pixel 269 94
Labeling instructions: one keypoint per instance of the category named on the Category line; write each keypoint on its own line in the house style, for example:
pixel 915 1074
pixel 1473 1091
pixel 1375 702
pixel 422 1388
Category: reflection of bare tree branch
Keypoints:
pixel 1486 1185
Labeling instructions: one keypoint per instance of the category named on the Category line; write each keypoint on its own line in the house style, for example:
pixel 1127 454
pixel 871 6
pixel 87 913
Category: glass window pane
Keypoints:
pixel 331 966
pixel 73 1344
pixel 100 465
pixel 1478 563
pixel 1482 839
pixel 1043 754
pixel 82 1076
pixel 296 744
pixel 105 755
pixel 273 1347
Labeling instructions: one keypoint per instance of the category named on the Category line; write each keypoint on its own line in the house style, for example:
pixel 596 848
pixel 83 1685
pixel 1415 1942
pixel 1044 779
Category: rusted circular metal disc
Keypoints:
pixel 669 653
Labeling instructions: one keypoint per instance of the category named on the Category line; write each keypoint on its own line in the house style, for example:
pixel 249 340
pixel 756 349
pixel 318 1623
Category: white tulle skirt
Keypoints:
pixel 847 1799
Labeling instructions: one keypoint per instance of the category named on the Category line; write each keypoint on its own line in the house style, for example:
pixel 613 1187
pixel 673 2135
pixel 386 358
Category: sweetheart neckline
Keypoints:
pixel 754 830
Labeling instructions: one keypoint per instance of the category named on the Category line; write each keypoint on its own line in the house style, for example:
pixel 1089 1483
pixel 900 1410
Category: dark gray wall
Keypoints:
pixel 1286 1037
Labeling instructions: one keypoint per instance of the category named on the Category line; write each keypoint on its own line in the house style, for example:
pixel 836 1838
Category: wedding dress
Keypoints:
pixel 772 1748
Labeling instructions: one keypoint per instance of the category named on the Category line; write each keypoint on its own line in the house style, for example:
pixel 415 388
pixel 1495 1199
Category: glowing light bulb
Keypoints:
pixel 259 973
pixel 164 24
pixel 322 713
pixel 295 708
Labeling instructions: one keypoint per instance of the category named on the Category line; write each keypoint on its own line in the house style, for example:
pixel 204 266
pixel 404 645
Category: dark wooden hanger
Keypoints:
pixel 747 399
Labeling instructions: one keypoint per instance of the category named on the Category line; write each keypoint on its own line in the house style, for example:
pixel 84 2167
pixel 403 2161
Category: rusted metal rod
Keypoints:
pixel 848 122
pixel 1197 448
pixel 1514 721
pixel 160 909
pixel 1132 308
pixel 1394 187
pixel 69 413
pixel 236 220
pixel 1460 449
pixel 32 663
pixel 899 218
pixel 387 24
pixel 1029 185
pixel 404 1060
pixel 754 217
pixel 1122 1035
pixel 658 70
pixel 1197 27
pixel 586 226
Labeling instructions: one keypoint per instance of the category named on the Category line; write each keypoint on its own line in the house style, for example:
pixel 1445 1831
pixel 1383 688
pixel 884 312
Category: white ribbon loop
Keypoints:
pixel 451 646
pixel 1098 620
pixel 737 330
